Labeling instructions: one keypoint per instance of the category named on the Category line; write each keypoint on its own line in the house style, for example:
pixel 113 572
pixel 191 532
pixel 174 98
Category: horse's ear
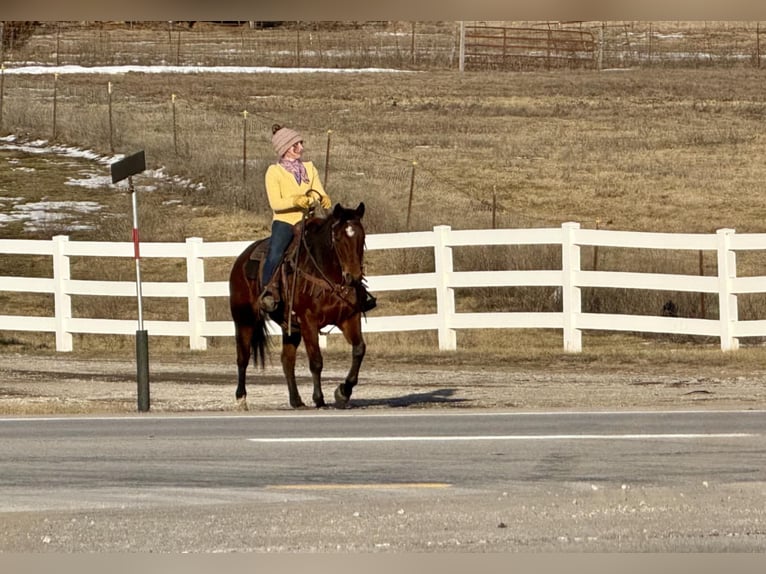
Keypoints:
pixel 337 211
pixel 360 210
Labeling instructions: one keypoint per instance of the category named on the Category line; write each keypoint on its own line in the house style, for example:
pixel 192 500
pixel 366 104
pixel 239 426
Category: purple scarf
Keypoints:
pixel 296 168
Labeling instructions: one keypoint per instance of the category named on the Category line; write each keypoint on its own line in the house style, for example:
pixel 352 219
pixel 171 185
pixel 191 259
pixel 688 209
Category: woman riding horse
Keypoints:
pixel 293 188
pixel 324 285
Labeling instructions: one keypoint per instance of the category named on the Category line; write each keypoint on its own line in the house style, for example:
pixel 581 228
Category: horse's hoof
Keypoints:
pixel 297 404
pixel 242 404
pixel 341 400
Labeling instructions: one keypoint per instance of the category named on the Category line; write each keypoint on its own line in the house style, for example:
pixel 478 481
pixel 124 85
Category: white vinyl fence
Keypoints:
pixel 443 280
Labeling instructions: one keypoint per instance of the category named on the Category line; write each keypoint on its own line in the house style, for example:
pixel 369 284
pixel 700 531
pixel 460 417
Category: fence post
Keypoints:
pixel 727 301
pixel 244 145
pixel 195 277
pixel 601 47
pixel 175 123
pixel 327 160
pixel 55 103
pixel 62 301
pixel 571 299
pixel 445 295
pixel 2 86
pixel 412 192
pixel 111 121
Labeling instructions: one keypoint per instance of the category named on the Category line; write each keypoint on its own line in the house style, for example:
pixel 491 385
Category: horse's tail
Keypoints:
pixel 259 342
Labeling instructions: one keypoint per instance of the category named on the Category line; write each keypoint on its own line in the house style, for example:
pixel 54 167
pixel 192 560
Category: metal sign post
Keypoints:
pixel 122 169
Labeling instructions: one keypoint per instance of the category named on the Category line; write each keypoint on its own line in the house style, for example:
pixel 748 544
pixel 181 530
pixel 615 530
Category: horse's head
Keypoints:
pixel 348 242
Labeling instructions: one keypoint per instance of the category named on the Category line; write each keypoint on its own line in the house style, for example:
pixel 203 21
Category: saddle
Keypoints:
pixel 254 268
pixel 261 250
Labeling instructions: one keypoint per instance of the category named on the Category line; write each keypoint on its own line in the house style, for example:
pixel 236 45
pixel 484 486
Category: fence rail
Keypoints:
pixel 443 280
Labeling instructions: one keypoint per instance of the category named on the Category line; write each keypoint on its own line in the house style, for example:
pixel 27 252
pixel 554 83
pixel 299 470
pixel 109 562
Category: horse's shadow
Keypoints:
pixel 439 396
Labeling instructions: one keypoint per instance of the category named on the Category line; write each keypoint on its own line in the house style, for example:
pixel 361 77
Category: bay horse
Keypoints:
pixel 321 286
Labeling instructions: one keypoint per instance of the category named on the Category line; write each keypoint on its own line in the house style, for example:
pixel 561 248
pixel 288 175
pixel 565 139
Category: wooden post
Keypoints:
pixel 175 130
pixel 244 145
pixel 601 46
pixel 505 46
pixel 58 43
pixel 111 124
pixel 318 35
pixel 494 207
pixel 298 43
pixel 412 190
pixel 548 48
pixel 178 49
pixel 327 159
pixel 55 98
pixel 412 47
pixel 2 89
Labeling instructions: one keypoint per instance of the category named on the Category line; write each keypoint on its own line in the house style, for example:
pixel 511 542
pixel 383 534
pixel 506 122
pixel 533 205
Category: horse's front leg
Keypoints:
pixel 289 349
pixel 352 331
pixel 310 333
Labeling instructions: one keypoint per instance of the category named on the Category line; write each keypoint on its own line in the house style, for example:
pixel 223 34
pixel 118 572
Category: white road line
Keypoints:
pixel 127 417
pixel 685 436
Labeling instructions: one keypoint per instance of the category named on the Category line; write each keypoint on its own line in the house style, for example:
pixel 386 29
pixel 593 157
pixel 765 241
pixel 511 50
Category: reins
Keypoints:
pixel 336 289
pixel 339 290
pixel 295 277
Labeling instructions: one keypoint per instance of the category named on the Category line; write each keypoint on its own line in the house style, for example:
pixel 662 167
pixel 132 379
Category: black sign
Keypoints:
pixel 131 165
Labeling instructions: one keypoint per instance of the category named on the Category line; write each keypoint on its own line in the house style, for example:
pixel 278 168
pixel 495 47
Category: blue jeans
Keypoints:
pixel 281 236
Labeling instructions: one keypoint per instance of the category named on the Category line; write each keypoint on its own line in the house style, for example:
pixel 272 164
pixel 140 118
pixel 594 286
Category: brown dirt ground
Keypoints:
pixel 35 384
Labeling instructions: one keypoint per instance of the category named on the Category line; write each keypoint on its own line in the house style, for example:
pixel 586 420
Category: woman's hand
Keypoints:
pixel 302 201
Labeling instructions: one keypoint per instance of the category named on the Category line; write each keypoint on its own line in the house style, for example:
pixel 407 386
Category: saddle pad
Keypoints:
pixel 257 255
pixel 260 250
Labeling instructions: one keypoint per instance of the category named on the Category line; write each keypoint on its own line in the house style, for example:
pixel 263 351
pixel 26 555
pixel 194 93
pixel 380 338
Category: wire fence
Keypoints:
pixel 406 45
pixel 415 45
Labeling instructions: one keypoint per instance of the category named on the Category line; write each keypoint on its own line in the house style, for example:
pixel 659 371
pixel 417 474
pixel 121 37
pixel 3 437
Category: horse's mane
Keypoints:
pixel 317 224
pixel 318 230
pixel 320 225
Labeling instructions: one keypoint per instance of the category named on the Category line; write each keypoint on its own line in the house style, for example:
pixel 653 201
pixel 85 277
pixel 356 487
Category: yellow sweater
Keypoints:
pixel 282 189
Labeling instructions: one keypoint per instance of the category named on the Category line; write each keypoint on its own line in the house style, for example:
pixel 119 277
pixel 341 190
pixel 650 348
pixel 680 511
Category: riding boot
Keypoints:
pixel 369 302
pixel 269 299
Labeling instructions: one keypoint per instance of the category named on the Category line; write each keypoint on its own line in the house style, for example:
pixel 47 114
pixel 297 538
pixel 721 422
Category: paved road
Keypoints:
pixel 335 481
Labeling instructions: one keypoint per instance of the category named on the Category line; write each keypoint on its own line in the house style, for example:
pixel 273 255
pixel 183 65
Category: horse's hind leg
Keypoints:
pixel 244 337
pixel 289 349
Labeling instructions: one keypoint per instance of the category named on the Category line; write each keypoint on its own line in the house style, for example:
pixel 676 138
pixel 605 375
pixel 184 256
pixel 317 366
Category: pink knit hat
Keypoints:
pixel 283 139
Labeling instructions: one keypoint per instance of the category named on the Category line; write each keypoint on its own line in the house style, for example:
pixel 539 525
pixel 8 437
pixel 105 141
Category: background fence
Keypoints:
pixel 423 45
pixel 504 47
pixel 444 281
pixel 227 149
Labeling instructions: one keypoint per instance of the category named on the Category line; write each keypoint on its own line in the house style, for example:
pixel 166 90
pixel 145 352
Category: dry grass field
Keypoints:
pixel 649 147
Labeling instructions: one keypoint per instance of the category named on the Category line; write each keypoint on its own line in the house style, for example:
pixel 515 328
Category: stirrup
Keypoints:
pixel 369 303
pixel 267 302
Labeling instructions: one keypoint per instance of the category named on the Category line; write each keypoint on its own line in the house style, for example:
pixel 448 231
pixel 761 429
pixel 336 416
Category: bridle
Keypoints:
pixel 340 290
